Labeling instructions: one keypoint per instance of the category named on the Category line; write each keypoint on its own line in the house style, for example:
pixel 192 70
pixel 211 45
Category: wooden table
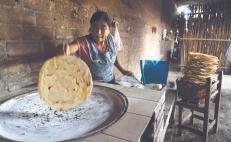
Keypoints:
pixel 144 117
pixel 144 106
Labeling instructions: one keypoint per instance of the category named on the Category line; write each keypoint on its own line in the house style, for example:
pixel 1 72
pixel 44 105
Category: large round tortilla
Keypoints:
pixel 64 82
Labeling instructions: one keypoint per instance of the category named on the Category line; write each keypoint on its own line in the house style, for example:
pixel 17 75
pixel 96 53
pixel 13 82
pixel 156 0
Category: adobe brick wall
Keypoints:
pixel 32 31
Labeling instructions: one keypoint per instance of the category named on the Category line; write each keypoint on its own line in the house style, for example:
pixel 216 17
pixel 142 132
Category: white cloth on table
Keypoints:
pixel 129 81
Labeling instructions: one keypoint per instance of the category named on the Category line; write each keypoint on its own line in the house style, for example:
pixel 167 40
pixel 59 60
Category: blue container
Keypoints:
pixel 153 71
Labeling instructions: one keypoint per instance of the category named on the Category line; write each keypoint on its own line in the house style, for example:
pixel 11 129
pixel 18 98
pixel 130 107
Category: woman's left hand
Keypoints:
pixel 128 73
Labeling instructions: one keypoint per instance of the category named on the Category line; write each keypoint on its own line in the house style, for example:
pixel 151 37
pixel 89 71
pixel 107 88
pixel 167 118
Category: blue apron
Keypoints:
pixel 102 63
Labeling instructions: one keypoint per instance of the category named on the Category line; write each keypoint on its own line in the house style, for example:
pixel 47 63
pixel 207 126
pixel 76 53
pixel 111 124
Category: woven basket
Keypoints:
pixel 190 91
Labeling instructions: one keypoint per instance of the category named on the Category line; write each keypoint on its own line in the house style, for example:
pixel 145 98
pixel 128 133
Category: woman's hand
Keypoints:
pixel 121 69
pixel 128 73
pixel 70 49
pixel 66 50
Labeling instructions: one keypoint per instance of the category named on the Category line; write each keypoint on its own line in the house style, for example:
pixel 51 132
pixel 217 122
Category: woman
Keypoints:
pixel 98 49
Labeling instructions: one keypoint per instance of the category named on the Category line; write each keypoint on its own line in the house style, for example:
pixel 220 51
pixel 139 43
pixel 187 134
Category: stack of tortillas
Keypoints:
pixel 64 82
pixel 200 67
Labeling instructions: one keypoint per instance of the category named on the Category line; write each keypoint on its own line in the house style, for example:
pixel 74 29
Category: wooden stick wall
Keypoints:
pixel 206 30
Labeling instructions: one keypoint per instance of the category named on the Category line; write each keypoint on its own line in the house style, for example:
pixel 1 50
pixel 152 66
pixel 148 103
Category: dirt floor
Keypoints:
pixel 224 130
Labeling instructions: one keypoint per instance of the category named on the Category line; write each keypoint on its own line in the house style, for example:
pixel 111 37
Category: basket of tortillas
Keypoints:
pixel 192 86
pixel 64 82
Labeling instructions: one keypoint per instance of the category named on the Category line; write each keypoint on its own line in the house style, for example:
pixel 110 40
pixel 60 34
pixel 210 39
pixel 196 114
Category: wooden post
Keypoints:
pixel 180 119
pixel 191 118
pixel 217 102
pixel 206 110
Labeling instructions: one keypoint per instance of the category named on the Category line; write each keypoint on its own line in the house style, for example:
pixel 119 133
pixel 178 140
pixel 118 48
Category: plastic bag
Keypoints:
pixel 117 39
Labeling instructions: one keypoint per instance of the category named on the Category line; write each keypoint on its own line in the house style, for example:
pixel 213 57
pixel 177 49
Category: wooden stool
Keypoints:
pixel 213 95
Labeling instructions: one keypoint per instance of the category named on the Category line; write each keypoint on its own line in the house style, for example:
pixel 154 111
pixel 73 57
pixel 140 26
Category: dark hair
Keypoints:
pixel 101 15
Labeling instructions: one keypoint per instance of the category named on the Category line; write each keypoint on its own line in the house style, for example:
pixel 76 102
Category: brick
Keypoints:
pixel 65 7
pixel 67 33
pixel 3 72
pixel 70 22
pixel 10 15
pixel 3 17
pixel 3 85
pixel 60 21
pixel 44 19
pixel 21 81
pixel 16 16
pixel 28 18
pixel 2 51
pixel 13 74
pixel 20 49
pixel 8 2
pixel 33 33
pixel 54 47
pixel 17 69
pixel 7 95
pixel 36 65
pixel 39 5
pixel 81 17
pixel 81 23
pixel 50 48
pixel 10 32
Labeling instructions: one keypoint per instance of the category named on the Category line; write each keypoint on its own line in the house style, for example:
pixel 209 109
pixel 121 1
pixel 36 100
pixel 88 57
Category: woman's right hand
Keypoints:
pixel 70 49
pixel 66 50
